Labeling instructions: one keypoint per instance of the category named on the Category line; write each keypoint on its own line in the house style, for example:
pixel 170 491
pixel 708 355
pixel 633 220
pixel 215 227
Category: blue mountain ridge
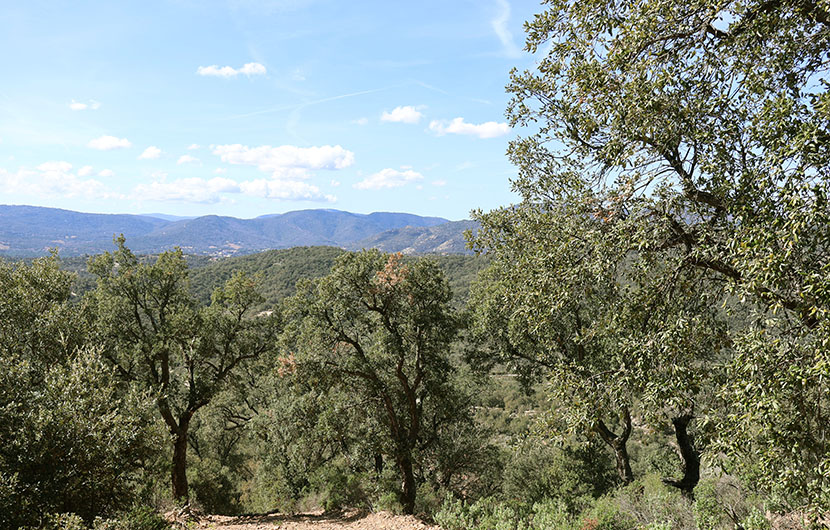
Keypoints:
pixel 33 230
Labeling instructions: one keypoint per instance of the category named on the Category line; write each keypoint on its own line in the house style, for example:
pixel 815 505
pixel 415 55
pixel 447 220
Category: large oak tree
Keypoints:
pixel 157 336
pixel 699 133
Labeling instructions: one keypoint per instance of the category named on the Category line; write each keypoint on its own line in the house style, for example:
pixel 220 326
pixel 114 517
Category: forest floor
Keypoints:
pixel 311 521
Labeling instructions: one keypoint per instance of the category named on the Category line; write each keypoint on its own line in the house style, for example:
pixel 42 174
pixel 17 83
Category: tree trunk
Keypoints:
pixel 617 443
pixel 378 464
pixel 179 470
pixel 409 487
pixel 623 462
pixel 690 456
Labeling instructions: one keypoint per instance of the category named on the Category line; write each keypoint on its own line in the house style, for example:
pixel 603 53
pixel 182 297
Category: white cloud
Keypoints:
pixel 439 183
pixel 188 190
pixel 388 178
pixel 85 171
pixel 193 147
pixel 216 71
pixel 210 191
pixel 77 105
pixel 248 69
pixel 286 161
pixel 499 24
pixel 220 170
pixel 405 114
pixel 488 129
pixel 361 121
pixel 55 167
pixel 252 69
pixel 151 153
pixel 53 179
pixel 106 173
pixel 334 183
pixel 187 159
pixel 108 143
pixel 284 190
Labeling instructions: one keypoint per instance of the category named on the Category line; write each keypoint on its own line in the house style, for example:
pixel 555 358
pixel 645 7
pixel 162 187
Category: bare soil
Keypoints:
pixel 312 521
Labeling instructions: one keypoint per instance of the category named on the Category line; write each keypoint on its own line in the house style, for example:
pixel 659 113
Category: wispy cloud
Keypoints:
pixel 187 159
pixel 490 129
pixel 108 143
pixel 294 106
pixel 499 24
pixel 388 178
pixel 403 114
pixel 248 69
pixel 78 105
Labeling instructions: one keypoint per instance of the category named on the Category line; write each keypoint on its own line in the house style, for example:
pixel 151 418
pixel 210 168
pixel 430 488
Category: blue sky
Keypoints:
pixel 247 107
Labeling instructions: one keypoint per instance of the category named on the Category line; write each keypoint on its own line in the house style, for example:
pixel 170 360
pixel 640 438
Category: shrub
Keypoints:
pixel 756 520
pixel 71 441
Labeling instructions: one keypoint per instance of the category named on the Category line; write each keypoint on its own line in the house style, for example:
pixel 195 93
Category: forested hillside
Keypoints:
pixel 278 271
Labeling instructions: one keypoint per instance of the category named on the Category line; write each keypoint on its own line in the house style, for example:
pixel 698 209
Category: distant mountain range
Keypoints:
pixel 33 230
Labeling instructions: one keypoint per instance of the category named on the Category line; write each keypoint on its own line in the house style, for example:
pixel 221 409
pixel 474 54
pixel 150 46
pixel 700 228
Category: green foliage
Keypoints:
pixel 691 138
pixel 70 439
pixel 573 474
pixel 378 331
pixel 280 271
pixel 159 338
pixel 756 520
pixel 37 321
pixel 337 487
pixel 138 518
pixel 708 511
pixel 489 513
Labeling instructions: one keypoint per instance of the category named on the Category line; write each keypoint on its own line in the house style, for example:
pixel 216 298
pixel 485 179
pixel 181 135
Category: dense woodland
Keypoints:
pixel 643 341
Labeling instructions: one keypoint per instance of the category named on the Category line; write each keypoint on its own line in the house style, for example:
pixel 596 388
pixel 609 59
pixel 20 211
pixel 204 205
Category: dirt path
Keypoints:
pixel 313 521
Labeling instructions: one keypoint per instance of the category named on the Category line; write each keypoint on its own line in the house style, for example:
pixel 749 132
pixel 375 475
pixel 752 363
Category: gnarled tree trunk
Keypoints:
pixel 409 487
pixel 689 455
pixel 617 443
pixel 179 468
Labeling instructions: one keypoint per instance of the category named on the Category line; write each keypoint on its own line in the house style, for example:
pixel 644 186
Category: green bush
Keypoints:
pixel 484 514
pixel 336 487
pixel 756 520
pixel 707 509
pixel 648 500
pixel 71 440
pixel 213 487
pixel 607 515
pixel 573 473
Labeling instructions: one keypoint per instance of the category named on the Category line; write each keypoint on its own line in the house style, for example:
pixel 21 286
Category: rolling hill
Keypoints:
pixel 32 231
pixel 446 238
